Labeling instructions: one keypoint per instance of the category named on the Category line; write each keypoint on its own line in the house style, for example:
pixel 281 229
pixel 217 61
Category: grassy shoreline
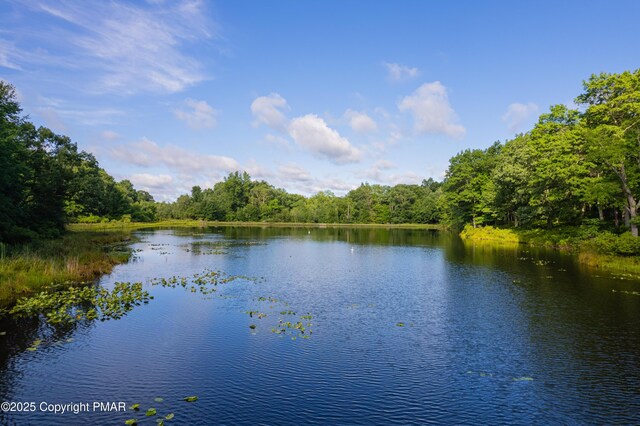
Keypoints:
pixel 585 246
pixel 77 257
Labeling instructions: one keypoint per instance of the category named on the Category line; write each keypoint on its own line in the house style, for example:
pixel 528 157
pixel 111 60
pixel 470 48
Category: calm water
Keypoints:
pixel 490 336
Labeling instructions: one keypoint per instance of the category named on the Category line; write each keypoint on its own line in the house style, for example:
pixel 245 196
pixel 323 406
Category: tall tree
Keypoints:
pixel 613 136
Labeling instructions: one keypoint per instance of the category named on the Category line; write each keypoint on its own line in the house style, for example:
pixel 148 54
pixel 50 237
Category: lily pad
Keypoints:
pixel 135 407
pixel 151 412
pixel 131 422
pixel 190 399
pixel 169 416
pixel 158 399
pixel 523 379
pixel 400 324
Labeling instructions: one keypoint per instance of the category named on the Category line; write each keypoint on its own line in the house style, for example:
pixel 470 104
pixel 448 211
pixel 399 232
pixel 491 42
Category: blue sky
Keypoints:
pixel 309 96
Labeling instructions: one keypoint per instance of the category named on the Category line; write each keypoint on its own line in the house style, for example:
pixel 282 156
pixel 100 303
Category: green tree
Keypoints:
pixel 613 131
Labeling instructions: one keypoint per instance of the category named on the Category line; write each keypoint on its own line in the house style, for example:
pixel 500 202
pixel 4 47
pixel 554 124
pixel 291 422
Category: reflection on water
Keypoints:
pixel 409 326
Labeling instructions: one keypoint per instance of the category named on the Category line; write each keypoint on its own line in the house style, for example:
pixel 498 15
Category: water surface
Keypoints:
pixel 409 326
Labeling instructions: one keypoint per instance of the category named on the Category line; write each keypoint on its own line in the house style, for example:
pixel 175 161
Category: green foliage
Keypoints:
pixel 46 182
pixel 238 198
pixel 616 245
pixel 570 170
pixel 43 264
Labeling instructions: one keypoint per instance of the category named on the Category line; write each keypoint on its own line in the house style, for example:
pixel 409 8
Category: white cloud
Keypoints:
pixel 398 72
pixel 360 122
pixel 148 181
pixel 378 174
pixel 268 110
pixel 298 180
pixel 311 132
pixel 146 153
pixel 127 47
pixel 292 172
pixel 7 50
pixel 199 116
pixel 517 115
pixel 431 111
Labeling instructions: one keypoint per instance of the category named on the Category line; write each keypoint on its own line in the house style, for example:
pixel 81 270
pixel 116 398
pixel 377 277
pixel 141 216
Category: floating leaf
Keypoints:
pixel 158 399
pixel 151 412
pixel 190 399
pixel 160 422
pixel 169 416
pixel 522 379
pixel 131 422
pixel 252 326
pixel 400 324
pixel 135 407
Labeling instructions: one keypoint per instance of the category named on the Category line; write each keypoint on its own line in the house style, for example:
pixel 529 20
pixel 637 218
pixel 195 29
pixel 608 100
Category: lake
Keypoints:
pixel 400 326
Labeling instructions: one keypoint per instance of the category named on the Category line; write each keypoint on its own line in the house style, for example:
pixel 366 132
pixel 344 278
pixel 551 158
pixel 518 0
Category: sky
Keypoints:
pixel 307 95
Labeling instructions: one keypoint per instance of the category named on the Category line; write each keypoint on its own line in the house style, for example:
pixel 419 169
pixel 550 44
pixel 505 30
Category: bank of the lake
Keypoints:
pixel 74 258
pixel 616 254
pixel 185 223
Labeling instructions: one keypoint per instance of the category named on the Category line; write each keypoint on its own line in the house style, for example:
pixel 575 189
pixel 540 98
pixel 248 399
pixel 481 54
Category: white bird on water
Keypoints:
pixel 352 249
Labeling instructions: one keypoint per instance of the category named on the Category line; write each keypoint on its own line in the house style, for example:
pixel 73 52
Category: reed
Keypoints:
pixel 76 257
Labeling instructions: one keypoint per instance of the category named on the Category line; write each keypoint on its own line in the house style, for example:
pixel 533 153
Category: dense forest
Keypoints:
pixel 575 167
pixel 46 182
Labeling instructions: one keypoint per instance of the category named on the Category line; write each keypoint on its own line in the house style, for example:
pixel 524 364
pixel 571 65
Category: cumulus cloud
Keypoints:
pixel 146 153
pixel 268 110
pixel 431 111
pixel 312 133
pixel 198 115
pixel 398 72
pixel 517 115
pixel 360 122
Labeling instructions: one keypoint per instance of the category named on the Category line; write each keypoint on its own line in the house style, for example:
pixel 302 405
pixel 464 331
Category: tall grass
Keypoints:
pixel 76 257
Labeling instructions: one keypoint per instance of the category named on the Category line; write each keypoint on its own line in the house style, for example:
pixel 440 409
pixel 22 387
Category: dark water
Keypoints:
pixel 490 336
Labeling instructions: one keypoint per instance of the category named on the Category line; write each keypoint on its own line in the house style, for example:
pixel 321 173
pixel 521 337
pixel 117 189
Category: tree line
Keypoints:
pixel 574 167
pixel 238 198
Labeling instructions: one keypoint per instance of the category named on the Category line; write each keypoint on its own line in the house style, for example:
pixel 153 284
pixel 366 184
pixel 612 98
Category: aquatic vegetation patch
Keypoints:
pixel 284 327
pixel 83 303
pixel 204 283
pixel 216 247
pixel 154 412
